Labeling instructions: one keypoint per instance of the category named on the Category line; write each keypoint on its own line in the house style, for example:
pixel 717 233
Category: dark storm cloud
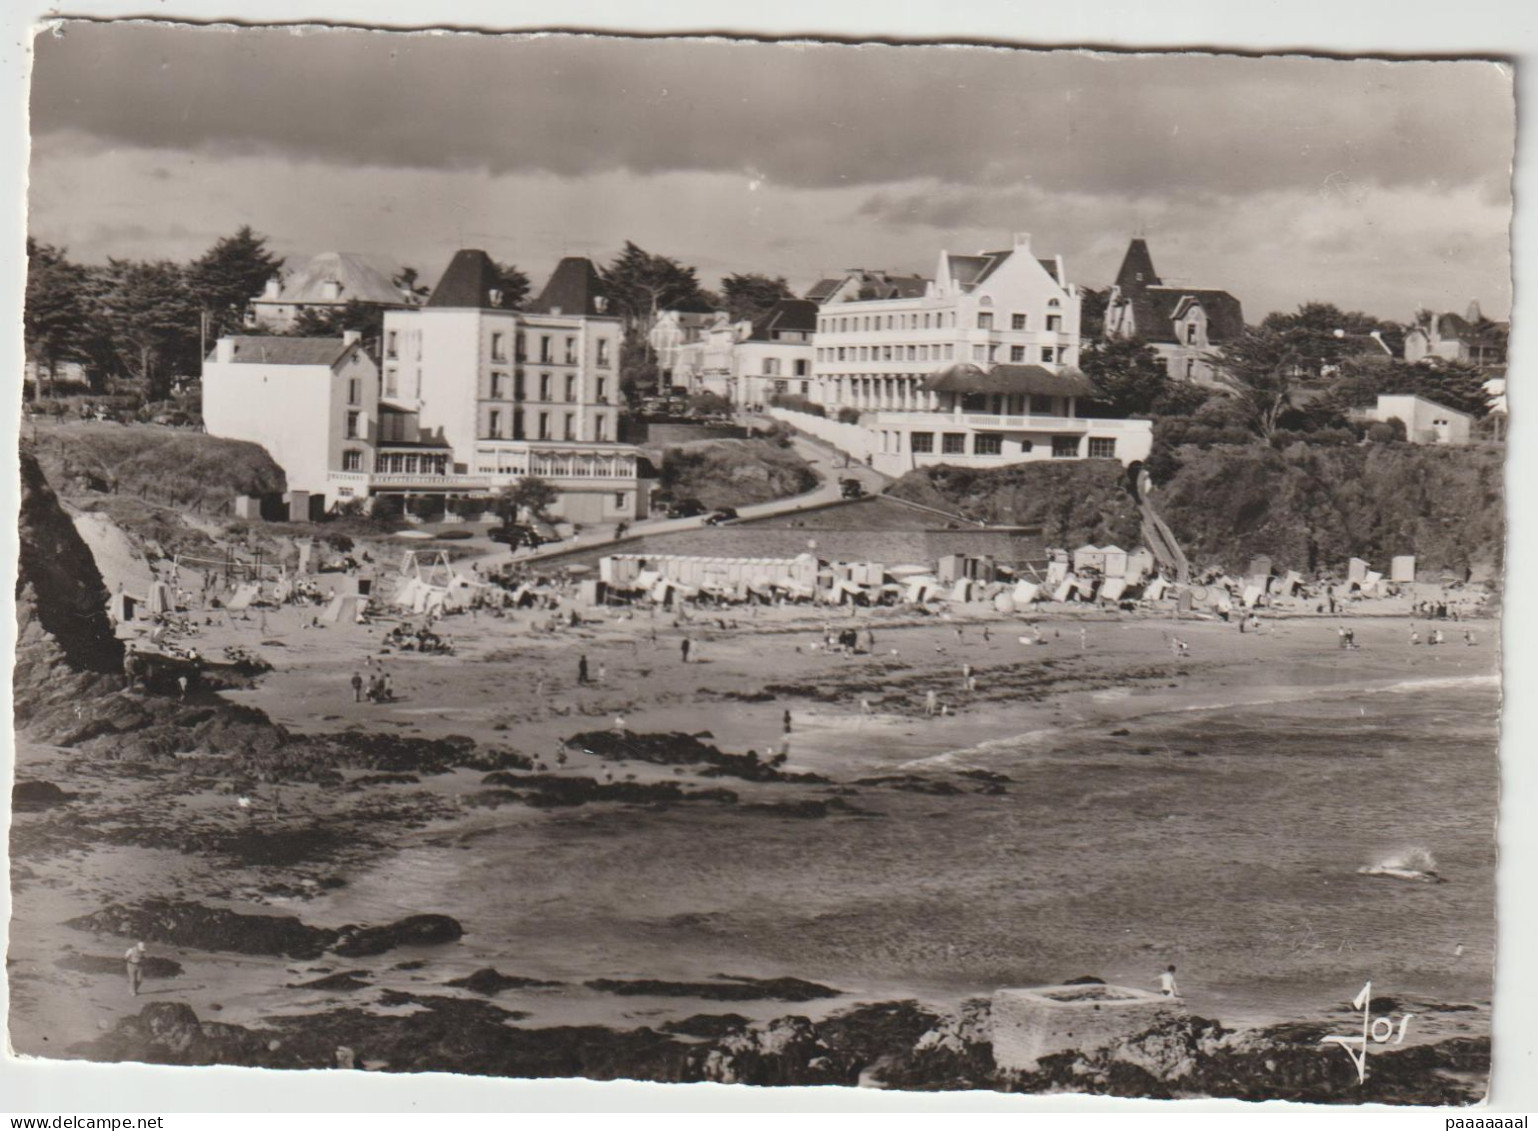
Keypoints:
pixel 800 116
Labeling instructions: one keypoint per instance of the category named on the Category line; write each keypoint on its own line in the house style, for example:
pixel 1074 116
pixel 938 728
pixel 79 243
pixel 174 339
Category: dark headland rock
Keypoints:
pixel 199 927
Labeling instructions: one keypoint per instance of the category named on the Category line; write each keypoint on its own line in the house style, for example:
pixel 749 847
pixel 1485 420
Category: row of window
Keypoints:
pixel 601 352
pixel 499 388
pixel 981 352
pixel 543 423
pixel 992 444
pixel 926 320
pixel 800 367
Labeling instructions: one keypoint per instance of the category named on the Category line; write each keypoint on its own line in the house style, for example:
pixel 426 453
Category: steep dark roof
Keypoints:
pixel 1050 267
pixel 965 377
pixel 874 286
pixel 575 287
pixel 1137 269
pixel 1154 310
pixel 822 290
pixel 792 315
pixel 262 350
pixel 971 270
pixel 1457 327
pixel 467 282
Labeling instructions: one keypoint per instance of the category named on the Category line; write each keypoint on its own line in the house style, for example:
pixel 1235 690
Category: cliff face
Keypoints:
pixel 65 647
pixel 1307 507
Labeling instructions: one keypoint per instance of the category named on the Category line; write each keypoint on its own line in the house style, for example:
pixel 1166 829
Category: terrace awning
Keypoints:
pixel 965 377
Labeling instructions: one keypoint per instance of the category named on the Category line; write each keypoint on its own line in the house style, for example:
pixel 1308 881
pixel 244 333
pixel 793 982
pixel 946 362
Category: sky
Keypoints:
pixel 1382 186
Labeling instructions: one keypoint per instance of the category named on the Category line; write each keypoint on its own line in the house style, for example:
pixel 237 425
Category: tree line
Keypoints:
pixel 149 322
pixel 1292 376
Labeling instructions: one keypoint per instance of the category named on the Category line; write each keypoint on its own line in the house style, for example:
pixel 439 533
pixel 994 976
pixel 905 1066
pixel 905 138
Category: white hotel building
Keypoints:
pixel 470 397
pixel 976 367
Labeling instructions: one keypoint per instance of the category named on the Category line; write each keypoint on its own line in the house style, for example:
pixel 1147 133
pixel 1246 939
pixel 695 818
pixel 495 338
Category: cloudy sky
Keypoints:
pixel 1377 185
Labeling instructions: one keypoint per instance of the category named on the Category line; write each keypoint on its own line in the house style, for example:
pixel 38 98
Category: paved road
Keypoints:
pixel 826 461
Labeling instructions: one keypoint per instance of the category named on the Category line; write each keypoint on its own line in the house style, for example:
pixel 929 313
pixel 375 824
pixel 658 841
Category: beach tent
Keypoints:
pixel 1065 590
pixel 344 609
pixel 1289 584
pixel 962 591
pixel 1113 588
pixel 1025 592
pixel 1356 570
pixel 243 598
pixel 1003 602
pixel 1156 589
pixel 1057 571
pixel 159 599
pixel 1370 583
pixel 1402 568
pixel 1252 593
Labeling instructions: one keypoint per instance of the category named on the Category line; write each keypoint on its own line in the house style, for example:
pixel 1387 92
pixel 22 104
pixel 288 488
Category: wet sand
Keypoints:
pixel 930 895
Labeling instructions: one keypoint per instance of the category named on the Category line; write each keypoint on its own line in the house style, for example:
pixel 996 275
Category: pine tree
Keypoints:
pixel 228 276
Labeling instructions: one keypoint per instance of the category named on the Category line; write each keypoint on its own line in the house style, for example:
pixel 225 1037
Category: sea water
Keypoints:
pixel 1223 838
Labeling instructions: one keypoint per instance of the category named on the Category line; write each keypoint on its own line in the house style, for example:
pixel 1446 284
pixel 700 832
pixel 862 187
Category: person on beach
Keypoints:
pixel 786 720
pixel 582 669
pixel 357 688
pixel 1167 985
pixel 602 672
pixel 683 649
pixel 387 687
pixel 966 675
pixel 133 963
pixel 931 705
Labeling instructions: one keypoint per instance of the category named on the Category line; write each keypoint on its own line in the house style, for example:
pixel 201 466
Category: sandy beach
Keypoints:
pixel 1096 805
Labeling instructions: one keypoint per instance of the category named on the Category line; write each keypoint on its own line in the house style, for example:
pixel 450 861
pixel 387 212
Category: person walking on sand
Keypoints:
pixel 133 963
pixel 357 688
pixel 683 649
pixel 931 704
pixel 966 675
pixel 1167 985
pixel 786 720
pixel 582 669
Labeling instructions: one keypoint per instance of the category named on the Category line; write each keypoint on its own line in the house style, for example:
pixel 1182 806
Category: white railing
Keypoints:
pixel 411 479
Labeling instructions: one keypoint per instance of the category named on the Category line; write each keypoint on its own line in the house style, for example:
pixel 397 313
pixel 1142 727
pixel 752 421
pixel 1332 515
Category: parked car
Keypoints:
pixel 851 488
pixel 516 534
pixel 686 508
pixel 720 515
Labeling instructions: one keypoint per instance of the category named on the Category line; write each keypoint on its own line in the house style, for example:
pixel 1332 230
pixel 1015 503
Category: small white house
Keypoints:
pixel 1425 421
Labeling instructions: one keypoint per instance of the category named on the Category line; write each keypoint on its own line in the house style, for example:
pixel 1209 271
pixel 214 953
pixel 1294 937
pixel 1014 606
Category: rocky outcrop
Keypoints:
pixel 65 648
pixel 887 1044
pixel 196 926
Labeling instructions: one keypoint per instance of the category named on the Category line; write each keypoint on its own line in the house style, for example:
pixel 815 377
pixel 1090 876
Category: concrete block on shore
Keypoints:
pixel 1029 1024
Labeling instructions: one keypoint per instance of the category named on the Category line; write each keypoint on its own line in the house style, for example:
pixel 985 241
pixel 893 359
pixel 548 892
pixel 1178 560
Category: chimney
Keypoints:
pixel 1023 241
pixel 351 337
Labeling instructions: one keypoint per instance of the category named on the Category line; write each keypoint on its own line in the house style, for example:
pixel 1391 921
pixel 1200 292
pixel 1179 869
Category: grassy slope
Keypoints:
pixel 734 473
pixel 1307 507
pixel 164 465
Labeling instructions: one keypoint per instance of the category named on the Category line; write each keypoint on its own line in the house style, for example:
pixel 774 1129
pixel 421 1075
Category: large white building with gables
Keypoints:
pixel 976 366
pixel 468 397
